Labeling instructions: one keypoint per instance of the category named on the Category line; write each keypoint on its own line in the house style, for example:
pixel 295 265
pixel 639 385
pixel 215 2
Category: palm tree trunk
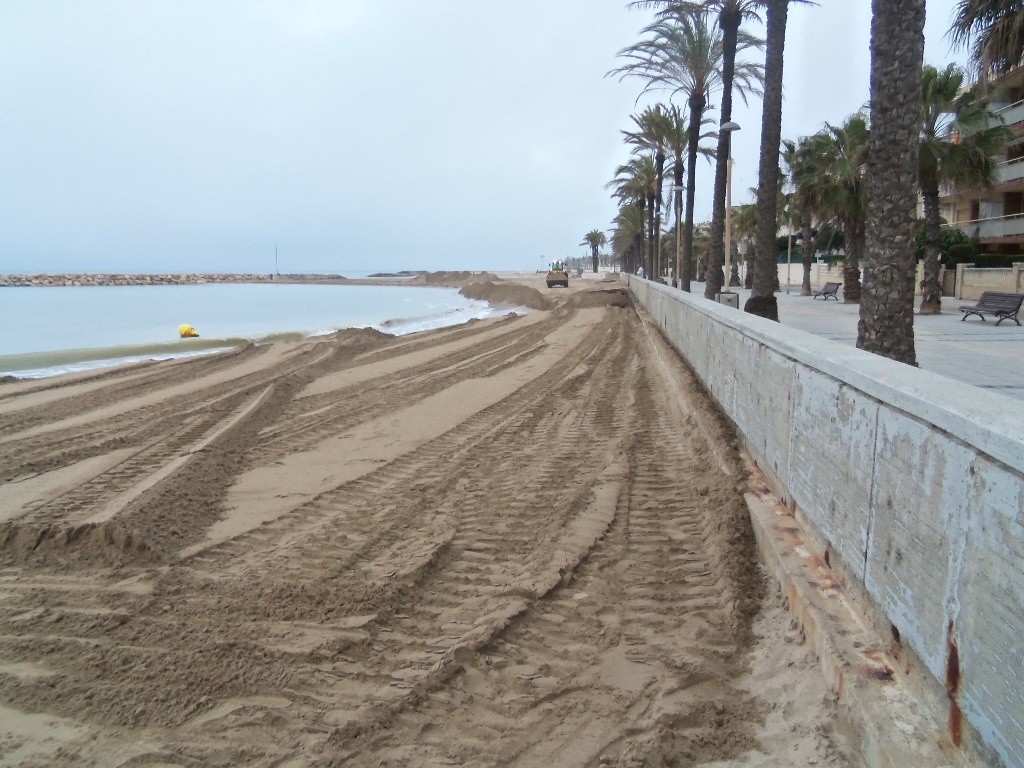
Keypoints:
pixel 886 325
pixel 652 239
pixel 809 245
pixel 677 203
pixel 730 25
pixel 697 105
pixel 659 160
pixel 854 248
pixel 931 291
pixel 641 256
pixel 762 299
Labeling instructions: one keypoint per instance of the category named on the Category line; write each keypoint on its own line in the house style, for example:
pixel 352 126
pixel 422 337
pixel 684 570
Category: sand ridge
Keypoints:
pixel 505 543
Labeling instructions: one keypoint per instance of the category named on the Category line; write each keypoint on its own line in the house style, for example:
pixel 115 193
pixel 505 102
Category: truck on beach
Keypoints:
pixel 558 275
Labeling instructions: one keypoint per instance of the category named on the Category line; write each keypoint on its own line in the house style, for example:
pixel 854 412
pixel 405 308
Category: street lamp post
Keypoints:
pixel 729 128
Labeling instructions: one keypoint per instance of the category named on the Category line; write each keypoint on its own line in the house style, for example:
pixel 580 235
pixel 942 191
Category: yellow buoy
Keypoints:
pixel 186 331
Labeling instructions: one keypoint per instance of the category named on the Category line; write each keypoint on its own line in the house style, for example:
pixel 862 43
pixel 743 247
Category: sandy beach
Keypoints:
pixel 516 542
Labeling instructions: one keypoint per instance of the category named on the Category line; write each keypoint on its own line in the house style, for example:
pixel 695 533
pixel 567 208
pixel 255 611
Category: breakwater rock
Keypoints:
pixel 17 281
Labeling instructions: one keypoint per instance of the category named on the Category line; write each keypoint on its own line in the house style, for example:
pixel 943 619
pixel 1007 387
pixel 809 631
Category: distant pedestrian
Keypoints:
pixel 640 272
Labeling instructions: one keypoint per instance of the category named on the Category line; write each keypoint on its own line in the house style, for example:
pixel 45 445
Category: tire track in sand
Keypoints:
pixel 134 418
pixel 502 433
pixel 490 570
pixel 627 664
pixel 174 449
pixel 310 419
pixel 557 578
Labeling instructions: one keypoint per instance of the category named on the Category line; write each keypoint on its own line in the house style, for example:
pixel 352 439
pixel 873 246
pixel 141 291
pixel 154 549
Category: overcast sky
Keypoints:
pixel 353 135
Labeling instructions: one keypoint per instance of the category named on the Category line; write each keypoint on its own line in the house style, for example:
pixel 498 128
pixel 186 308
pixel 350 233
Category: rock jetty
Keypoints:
pixel 18 281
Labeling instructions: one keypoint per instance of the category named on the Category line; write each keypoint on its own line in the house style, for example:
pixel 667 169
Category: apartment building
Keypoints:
pixel 994 218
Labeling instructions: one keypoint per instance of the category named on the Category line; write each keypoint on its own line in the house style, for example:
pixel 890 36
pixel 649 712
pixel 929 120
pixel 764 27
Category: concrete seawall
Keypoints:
pixel 911 484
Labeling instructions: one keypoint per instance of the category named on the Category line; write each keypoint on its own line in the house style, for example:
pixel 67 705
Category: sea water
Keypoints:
pixel 46 331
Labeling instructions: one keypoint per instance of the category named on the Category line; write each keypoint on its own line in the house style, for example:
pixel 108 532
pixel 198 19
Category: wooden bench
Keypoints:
pixel 1005 306
pixel 830 289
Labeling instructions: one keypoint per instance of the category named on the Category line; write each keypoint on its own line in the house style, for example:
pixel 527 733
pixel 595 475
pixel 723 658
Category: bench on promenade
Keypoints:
pixel 1005 306
pixel 830 289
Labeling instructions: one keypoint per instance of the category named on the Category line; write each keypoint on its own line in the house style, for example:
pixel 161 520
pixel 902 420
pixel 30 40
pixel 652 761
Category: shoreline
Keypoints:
pixel 84 279
pixel 81 279
pixel 74 358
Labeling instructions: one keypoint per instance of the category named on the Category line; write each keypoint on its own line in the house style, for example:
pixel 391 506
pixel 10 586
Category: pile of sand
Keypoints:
pixel 505 294
pixel 453 279
pixel 607 297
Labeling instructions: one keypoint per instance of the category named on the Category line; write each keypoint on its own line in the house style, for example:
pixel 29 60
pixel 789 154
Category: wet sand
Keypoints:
pixel 518 542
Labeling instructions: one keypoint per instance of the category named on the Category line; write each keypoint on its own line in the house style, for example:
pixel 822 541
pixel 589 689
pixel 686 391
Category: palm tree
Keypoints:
pixel 886 325
pixel 789 216
pixel 839 156
pixel 762 296
pixel 994 29
pixel 959 136
pixel 730 15
pixel 683 53
pixel 636 182
pixel 744 227
pixel 799 160
pixel 627 236
pixel 595 238
pixel 652 134
pixel 677 136
pixel 701 249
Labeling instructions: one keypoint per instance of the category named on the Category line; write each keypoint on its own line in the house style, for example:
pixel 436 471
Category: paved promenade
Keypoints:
pixel 976 352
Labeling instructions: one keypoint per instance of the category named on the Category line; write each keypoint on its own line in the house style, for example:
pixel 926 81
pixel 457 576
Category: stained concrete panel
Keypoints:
pixel 989 604
pixel 831 461
pixel 763 406
pixel 721 377
pixel 696 339
pixel 920 493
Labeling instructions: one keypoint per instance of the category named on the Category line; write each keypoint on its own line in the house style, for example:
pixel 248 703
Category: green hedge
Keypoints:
pixel 961 253
pixel 996 260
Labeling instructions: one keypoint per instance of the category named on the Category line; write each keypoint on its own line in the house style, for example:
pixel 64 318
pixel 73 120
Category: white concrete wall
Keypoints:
pixel 972 282
pixel 914 481
pixel 821 273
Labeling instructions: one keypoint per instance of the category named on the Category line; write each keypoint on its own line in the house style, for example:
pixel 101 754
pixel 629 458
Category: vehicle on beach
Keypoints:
pixel 558 275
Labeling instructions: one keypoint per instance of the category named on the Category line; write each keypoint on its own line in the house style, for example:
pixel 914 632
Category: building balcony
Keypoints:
pixel 1010 171
pixel 1012 113
pixel 997 228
